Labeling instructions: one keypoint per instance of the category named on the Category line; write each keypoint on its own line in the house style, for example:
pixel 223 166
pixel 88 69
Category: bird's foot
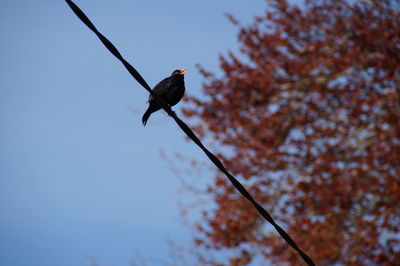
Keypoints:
pixel 173 112
pixel 170 108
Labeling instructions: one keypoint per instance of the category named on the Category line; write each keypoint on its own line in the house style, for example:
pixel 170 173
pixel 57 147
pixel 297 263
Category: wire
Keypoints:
pixel 189 132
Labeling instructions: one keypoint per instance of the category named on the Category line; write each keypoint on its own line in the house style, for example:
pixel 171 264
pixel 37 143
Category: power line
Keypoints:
pixel 189 132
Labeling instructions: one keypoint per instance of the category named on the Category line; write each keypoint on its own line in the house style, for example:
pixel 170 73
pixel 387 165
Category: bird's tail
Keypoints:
pixel 146 116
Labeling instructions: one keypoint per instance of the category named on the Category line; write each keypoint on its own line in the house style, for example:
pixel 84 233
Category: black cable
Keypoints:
pixel 188 132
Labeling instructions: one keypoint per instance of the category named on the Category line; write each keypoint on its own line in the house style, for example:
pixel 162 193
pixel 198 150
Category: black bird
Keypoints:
pixel 170 89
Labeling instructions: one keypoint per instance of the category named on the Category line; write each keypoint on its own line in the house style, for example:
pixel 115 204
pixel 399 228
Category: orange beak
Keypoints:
pixel 183 71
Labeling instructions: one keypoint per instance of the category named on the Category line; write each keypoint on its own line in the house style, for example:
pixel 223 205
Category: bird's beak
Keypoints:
pixel 183 71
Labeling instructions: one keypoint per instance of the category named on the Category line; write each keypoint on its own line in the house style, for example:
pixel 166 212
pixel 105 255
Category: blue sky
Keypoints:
pixel 79 175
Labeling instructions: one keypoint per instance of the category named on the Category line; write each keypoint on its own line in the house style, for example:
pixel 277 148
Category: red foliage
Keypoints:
pixel 311 112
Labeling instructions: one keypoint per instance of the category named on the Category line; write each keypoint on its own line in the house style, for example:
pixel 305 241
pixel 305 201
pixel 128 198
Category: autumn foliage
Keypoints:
pixel 309 115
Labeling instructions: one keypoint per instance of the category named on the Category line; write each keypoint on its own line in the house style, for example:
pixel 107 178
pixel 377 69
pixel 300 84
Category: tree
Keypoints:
pixel 310 115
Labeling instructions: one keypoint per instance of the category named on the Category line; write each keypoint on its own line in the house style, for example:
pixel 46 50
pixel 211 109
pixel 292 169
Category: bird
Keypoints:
pixel 170 89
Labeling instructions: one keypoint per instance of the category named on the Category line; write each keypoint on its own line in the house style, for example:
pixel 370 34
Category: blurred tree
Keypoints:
pixel 310 115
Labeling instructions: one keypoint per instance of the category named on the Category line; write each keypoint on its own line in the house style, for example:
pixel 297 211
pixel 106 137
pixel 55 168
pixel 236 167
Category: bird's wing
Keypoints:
pixel 162 88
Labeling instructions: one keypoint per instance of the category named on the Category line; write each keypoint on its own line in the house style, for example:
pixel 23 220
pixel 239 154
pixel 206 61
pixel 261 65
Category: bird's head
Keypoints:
pixel 179 72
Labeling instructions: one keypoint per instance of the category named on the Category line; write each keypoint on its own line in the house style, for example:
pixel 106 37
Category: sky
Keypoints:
pixel 80 177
